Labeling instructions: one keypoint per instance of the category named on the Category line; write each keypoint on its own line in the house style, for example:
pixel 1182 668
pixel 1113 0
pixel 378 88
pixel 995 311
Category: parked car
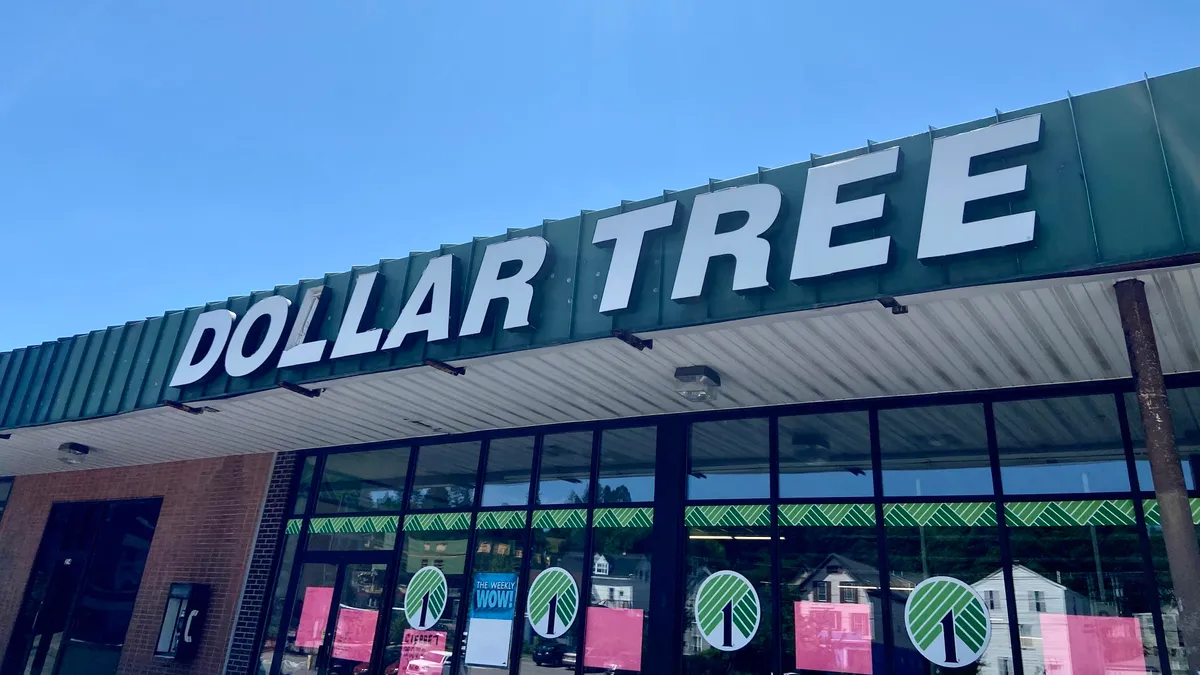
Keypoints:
pixel 550 654
pixel 433 663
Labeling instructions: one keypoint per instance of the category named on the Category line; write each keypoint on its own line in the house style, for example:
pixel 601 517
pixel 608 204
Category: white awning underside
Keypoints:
pixel 1053 331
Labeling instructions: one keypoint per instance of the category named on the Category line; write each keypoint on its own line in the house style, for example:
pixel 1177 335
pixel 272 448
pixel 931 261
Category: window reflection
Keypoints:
pixel 561 548
pixel 566 472
pixel 423 644
pixel 302 489
pixel 831 610
pixel 627 465
pixel 935 451
pixel 492 609
pixel 825 456
pixel 1061 445
pixel 509 464
pixel 618 619
pixel 744 550
pixel 729 459
pixel 1082 600
pixel 446 476
pixel 270 639
pixel 363 481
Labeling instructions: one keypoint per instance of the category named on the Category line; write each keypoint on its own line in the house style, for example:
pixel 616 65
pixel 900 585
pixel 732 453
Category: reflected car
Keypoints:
pixel 550 654
pixel 433 663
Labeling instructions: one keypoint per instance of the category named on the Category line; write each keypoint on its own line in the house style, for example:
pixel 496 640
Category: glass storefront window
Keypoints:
pixel 309 617
pixel 509 465
pixel 730 610
pixel 363 481
pixel 352 534
pixel 551 626
pixel 627 459
pixel 270 639
pixel 422 630
pixel 729 459
pixel 823 456
pixel 446 476
pixel 937 451
pixel 1083 604
pixel 831 609
pixel 1166 601
pixel 958 540
pixel 566 474
pixel 618 612
pixel 1066 445
pixel 302 489
pixel 492 611
pixel 1185 418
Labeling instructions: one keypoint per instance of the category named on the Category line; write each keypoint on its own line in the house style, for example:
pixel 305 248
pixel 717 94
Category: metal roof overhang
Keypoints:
pixel 1021 334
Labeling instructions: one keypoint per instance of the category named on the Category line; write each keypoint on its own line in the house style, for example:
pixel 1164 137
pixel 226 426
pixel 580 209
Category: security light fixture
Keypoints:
pixel 697 383
pixel 297 389
pixel 445 367
pixel 73 453
pixel 633 340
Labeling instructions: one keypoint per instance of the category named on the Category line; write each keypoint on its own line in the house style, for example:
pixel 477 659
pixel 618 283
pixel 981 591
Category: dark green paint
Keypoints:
pixel 1112 180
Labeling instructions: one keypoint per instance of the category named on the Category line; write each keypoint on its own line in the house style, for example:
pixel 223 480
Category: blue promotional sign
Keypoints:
pixel 493 605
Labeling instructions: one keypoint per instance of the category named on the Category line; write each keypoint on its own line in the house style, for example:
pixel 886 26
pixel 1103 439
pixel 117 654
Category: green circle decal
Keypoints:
pixel 553 602
pixel 947 622
pixel 727 610
pixel 425 598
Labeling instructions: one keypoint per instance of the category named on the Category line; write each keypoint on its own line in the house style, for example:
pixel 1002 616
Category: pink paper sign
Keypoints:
pixel 614 639
pixel 355 634
pixel 833 637
pixel 422 645
pixel 314 613
pixel 1091 645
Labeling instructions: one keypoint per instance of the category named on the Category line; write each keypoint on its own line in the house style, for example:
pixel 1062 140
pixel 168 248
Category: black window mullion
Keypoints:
pixel 466 595
pixel 589 551
pixel 1139 514
pixel 776 601
pixel 1010 587
pixel 314 488
pixel 410 478
pixel 285 618
pixel 518 627
pixel 885 574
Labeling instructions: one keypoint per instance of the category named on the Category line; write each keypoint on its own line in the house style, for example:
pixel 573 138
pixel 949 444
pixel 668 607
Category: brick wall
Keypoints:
pixel 210 509
pixel 244 646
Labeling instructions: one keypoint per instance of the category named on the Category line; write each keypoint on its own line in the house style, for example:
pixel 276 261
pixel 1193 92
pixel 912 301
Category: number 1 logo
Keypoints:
pixel 947 622
pixel 727 610
pixel 425 598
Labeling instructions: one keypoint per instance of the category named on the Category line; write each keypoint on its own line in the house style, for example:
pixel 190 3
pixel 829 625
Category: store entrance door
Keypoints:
pixel 80 595
pixel 336 609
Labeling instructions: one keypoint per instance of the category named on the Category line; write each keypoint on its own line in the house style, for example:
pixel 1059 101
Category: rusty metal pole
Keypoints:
pixel 1179 533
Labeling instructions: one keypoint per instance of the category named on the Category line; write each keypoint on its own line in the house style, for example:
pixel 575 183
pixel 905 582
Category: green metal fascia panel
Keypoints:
pixel 1112 180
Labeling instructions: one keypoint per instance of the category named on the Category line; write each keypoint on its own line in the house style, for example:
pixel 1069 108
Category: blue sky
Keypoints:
pixel 159 155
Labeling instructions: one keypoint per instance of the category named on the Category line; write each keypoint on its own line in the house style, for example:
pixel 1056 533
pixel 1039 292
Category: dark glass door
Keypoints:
pixel 81 592
pixel 334 617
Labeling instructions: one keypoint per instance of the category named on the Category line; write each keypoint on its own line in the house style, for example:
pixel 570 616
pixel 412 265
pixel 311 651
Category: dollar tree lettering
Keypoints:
pixel 425 599
pixel 553 602
pixel 947 622
pixel 727 610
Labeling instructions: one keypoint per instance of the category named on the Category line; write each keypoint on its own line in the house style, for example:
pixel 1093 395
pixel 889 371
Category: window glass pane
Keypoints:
pixel 618 620
pixel 363 481
pixel 332 534
pixel 1081 595
pixel 446 476
pixel 509 464
pixel 958 540
pixel 552 624
pixel 825 456
pixel 566 468
pixel 270 640
pixel 934 451
pixel 1061 445
pixel 746 551
pixel 314 595
pixel 488 639
pixel 305 484
pixel 357 617
pixel 730 459
pixel 831 611
pixel 422 630
pixel 1166 600
pixel 627 465
pixel 1185 418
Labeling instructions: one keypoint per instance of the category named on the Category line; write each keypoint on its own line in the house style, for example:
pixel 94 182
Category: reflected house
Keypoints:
pixel 837 619
pixel 621 582
pixel 693 641
pixel 448 555
pixel 1062 632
